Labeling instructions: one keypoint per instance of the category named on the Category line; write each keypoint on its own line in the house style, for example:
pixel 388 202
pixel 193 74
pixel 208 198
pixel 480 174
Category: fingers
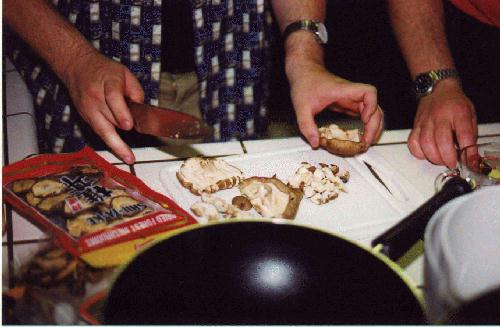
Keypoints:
pixel 308 127
pixel 342 110
pixel 133 89
pixel 434 143
pixel 115 92
pixel 466 132
pixel 369 104
pixel 361 100
pixel 106 130
pixel 414 144
pixel 374 126
pixel 381 125
pixel 444 139
pixel 371 114
pixel 114 96
pixel 429 146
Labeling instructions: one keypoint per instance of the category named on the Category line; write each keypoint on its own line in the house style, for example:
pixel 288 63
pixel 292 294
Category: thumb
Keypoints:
pixel 133 89
pixel 308 127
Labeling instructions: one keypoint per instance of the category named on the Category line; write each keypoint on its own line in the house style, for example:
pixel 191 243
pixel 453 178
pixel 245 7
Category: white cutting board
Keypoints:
pixel 361 214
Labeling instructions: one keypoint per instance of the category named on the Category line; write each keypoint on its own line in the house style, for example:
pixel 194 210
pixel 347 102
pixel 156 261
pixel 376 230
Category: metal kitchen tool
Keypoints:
pixel 164 122
pixel 478 164
pixel 376 175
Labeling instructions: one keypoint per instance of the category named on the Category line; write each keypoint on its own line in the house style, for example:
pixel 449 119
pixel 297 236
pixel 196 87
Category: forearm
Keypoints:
pixel 56 41
pixel 419 29
pixel 300 47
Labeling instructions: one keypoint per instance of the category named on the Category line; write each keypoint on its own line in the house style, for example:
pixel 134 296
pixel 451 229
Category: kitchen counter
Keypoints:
pixel 23 239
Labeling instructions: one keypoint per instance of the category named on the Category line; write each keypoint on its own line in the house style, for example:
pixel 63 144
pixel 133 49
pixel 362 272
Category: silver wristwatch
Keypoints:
pixel 425 82
pixel 316 27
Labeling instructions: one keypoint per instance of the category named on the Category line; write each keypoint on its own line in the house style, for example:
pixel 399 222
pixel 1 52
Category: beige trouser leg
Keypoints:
pixel 180 92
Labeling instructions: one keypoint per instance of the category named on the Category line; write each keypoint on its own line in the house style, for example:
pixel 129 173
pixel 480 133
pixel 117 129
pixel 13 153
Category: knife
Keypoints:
pixel 164 122
pixel 376 175
pixel 388 182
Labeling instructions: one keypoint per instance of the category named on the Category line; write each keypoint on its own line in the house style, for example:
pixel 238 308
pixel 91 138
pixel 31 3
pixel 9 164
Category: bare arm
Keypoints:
pixel 97 85
pixel 50 35
pixel 313 88
pixel 419 29
pixel 446 112
pixel 300 44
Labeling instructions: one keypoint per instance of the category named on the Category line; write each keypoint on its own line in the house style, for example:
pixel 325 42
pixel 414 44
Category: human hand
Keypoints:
pixel 98 87
pixel 314 89
pixel 441 115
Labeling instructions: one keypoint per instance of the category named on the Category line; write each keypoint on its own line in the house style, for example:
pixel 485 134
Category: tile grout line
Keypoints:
pixel 243 148
pixel 175 159
pixel 8 209
pixel 10 244
pixel 404 142
pixel 20 113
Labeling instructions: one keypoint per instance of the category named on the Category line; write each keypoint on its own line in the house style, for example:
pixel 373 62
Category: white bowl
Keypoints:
pixel 462 251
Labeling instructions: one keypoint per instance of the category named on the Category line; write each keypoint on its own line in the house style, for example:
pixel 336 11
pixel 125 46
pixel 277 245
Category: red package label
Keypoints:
pixel 86 202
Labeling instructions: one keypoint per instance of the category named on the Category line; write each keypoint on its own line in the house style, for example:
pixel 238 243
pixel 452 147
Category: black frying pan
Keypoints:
pixel 260 272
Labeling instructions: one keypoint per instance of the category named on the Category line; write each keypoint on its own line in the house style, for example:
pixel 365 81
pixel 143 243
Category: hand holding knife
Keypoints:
pixel 163 123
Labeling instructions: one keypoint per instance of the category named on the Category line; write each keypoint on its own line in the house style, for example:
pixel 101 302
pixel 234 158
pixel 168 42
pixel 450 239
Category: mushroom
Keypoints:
pixel 241 202
pixel 271 197
pixel 205 211
pixel 208 175
pixel 319 184
pixel 340 141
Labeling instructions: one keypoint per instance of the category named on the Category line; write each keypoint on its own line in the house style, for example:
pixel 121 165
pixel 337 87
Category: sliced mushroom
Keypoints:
pixel 320 185
pixel 241 202
pixel 205 211
pixel 221 205
pixel 271 197
pixel 208 175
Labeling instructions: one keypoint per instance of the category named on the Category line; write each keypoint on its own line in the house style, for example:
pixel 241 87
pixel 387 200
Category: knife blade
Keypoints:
pixel 374 173
pixel 164 122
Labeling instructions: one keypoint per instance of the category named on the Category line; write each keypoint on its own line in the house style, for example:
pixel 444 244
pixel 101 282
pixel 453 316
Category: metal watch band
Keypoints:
pixel 425 82
pixel 316 27
pixel 444 73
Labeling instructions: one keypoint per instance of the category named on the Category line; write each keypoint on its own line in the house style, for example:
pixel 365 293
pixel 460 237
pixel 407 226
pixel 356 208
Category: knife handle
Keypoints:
pixel 400 238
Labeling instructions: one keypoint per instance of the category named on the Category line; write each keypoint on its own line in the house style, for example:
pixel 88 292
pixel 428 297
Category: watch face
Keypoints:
pixel 322 33
pixel 423 84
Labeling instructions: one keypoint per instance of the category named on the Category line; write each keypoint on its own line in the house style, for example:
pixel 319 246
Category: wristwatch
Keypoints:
pixel 425 82
pixel 314 26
